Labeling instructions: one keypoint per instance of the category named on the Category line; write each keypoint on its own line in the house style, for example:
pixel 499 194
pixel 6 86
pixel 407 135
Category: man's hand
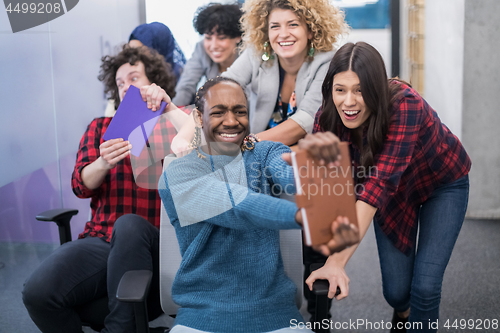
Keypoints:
pixel 113 151
pixel 298 217
pixel 323 146
pixel 344 235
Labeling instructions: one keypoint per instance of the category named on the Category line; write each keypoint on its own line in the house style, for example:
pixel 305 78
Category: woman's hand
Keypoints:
pixel 154 95
pixel 344 236
pixel 113 151
pixel 180 146
pixel 323 146
pixel 336 276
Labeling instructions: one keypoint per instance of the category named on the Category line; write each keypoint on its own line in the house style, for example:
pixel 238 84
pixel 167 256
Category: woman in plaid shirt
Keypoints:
pixel 410 170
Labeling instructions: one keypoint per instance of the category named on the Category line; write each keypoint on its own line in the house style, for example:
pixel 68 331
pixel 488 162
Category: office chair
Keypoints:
pixel 92 314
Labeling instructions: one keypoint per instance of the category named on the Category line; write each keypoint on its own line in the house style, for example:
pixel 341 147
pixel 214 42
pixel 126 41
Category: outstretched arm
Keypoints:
pixel 180 144
pixel 153 95
pixel 194 192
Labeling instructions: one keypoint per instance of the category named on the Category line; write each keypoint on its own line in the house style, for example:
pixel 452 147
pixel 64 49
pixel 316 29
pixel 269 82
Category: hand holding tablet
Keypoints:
pixel 133 120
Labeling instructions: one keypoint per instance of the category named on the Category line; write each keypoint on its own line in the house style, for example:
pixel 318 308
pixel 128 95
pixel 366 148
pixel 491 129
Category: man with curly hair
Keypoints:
pixel 219 24
pixel 123 233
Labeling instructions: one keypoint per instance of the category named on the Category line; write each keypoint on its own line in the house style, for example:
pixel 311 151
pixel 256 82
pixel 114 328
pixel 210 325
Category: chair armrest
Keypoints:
pixel 61 217
pixel 134 288
pixel 56 214
pixel 320 289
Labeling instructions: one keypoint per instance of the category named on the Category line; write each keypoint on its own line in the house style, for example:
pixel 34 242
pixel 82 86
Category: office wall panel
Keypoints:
pixel 481 116
pixel 444 60
pixel 49 92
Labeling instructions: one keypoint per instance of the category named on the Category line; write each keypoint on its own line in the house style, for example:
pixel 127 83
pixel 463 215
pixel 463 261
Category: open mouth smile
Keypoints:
pixel 351 114
pixel 229 137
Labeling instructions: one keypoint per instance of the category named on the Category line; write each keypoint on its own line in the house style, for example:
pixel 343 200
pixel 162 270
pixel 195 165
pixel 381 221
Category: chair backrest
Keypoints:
pixel 170 259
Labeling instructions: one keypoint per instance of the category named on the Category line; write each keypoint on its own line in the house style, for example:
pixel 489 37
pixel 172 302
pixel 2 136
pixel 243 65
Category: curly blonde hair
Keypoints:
pixel 325 21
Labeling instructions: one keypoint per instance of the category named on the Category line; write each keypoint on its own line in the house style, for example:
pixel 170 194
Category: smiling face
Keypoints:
pixel 288 34
pixel 225 118
pixel 348 99
pixel 220 48
pixel 128 75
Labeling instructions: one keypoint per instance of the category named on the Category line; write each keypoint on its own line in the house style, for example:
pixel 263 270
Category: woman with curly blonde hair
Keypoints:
pixel 288 45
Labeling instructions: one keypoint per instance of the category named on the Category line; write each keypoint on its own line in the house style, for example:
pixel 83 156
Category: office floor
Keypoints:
pixel 470 288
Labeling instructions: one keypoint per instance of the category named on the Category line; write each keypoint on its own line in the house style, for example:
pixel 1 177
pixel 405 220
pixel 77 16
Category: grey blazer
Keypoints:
pixel 200 65
pixel 263 80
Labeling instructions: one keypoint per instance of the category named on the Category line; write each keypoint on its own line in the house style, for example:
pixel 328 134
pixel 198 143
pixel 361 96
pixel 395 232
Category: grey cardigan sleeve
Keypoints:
pixel 310 86
pixel 242 68
pixel 194 70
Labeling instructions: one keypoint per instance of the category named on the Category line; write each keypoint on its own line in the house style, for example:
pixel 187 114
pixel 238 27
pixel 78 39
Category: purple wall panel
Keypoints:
pixel 58 63
pixel 70 200
pixel 22 199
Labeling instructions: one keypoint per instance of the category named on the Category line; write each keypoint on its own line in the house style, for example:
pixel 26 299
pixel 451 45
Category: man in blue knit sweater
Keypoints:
pixel 222 199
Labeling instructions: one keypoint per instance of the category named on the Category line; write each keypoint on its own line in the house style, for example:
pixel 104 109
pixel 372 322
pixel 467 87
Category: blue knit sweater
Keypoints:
pixel 231 278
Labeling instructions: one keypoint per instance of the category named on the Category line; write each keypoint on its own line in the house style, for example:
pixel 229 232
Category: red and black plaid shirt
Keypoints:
pixel 419 154
pixel 130 187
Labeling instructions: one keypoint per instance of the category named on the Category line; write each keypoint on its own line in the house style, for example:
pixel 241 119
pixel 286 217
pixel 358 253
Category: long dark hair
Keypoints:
pixel 364 60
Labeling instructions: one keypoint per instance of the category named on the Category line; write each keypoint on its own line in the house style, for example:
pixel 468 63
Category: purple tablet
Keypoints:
pixel 133 121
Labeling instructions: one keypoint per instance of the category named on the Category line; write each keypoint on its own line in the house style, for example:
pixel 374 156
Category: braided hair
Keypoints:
pixel 199 101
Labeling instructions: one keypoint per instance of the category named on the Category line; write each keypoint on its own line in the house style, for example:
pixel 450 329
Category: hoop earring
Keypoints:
pixel 311 51
pixel 266 56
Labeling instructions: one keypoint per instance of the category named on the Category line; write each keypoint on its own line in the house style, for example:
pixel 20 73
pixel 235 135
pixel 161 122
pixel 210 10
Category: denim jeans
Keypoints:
pixel 85 269
pixel 415 281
